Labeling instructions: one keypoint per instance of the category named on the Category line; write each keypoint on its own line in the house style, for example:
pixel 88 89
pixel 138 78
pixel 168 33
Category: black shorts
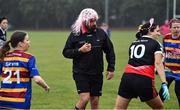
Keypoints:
pixel 89 83
pixel 134 85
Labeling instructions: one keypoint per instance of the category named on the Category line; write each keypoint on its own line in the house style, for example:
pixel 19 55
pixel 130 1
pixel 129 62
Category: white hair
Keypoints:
pixel 85 15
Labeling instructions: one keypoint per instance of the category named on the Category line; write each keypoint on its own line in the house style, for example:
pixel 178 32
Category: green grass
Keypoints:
pixel 47 46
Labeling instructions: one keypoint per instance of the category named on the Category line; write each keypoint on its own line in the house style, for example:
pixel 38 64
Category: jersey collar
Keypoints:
pixel 2 30
pixel 147 36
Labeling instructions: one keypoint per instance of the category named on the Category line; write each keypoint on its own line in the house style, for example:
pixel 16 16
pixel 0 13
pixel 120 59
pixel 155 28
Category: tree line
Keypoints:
pixel 49 14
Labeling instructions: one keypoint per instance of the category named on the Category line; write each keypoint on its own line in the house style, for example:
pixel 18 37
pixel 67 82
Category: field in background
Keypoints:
pixel 47 46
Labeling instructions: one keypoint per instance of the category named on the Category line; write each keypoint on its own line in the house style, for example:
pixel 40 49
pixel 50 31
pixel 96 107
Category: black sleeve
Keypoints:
pixel 70 51
pixel 110 55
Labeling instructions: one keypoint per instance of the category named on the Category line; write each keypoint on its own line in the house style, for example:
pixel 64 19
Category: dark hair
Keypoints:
pixel 16 37
pixel 174 20
pixel 144 29
pixel 3 18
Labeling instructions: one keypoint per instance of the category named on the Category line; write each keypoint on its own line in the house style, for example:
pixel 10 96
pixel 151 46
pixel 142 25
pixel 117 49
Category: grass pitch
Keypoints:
pixel 56 70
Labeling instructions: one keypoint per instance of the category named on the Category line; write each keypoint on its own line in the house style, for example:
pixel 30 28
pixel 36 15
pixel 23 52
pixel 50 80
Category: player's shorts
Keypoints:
pixel 134 85
pixel 89 83
pixel 171 75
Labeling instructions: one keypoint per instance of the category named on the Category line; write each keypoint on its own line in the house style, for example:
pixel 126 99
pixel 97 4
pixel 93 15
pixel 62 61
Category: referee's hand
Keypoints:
pixel 85 48
pixel 109 75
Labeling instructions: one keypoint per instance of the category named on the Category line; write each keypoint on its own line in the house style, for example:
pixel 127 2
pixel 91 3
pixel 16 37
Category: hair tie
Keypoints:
pixel 151 21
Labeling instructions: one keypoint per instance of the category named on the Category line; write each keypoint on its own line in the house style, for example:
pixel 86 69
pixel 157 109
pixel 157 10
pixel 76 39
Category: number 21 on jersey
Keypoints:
pixel 9 73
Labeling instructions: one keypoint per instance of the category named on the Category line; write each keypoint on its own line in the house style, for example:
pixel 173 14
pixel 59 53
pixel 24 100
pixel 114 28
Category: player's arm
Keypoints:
pixel 41 83
pixel 34 73
pixel 160 69
pixel 159 66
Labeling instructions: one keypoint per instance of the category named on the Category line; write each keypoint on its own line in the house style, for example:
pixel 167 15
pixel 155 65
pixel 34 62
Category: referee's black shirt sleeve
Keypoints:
pixel 110 55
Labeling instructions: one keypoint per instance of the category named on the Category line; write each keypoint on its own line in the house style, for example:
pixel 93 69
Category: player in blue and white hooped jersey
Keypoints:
pixel 171 43
pixel 17 69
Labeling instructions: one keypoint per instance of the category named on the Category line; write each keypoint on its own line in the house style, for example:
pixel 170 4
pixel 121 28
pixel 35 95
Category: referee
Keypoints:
pixel 85 45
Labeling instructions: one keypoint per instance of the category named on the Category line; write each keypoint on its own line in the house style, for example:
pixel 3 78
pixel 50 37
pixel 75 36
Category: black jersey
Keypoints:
pixel 2 37
pixel 141 56
pixel 90 62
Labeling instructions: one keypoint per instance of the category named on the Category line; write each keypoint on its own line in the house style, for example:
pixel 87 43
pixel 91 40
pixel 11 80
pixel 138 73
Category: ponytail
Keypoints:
pixel 4 49
pixel 146 28
pixel 141 32
pixel 138 35
pixel 16 37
